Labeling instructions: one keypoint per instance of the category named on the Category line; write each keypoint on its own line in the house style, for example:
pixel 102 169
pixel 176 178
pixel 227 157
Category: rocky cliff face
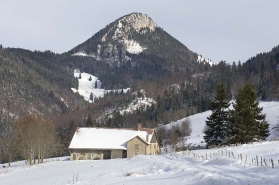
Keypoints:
pixel 114 42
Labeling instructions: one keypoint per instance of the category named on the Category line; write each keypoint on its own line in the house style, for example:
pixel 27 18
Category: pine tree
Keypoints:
pixel 217 121
pixel 91 96
pixel 247 122
pixel 96 84
pixel 89 122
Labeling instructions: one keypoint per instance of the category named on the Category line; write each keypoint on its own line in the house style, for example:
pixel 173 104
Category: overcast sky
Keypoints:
pixel 217 29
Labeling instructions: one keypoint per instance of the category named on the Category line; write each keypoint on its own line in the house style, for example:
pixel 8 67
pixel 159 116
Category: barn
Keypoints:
pixel 111 143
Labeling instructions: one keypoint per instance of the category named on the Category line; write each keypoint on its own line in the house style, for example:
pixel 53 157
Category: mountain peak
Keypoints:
pixel 130 35
pixel 137 21
pixel 113 42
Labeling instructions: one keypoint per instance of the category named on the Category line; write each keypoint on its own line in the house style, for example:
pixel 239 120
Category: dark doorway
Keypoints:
pixel 74 157
pixel 107 154
pixel 124 154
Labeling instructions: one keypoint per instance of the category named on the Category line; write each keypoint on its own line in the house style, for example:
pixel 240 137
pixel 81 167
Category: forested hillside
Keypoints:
pixel 125 55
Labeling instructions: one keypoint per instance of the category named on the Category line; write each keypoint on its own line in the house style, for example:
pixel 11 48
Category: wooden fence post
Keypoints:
pixel 265 162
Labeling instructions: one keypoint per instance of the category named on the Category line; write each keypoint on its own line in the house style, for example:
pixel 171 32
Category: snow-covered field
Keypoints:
pixel 166 169
pixel 213 166
pixel 271 109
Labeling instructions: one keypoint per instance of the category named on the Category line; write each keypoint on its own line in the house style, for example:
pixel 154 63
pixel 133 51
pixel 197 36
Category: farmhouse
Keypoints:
pixel 112 143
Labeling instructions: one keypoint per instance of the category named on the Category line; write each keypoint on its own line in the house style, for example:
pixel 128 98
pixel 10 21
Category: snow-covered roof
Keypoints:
pixel 104 138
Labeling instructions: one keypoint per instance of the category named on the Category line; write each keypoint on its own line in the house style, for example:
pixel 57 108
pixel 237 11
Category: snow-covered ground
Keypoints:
pixel 142 102
pixel 85 86
pixel 263 150
pixel 212 166
pixel 203 60
pixel 271 109
pixel 81 53
pixel 167 169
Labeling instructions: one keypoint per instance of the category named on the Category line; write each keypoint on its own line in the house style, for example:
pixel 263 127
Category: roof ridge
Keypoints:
pixel 143 129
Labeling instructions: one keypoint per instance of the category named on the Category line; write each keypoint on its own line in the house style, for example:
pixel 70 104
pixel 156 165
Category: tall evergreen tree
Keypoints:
pixel 96 84
pixel 247 122
pixel 91 97
pixel 217 121
pixel 89 121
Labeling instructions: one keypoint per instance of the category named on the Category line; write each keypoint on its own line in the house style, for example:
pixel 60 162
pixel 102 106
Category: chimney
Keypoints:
pixel 139 126
pixel 147 138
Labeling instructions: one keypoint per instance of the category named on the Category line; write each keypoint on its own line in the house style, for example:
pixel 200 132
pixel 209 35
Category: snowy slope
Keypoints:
pixel 271 109
pixel 156 170
pixel 85 87
pixel 203 60
pixel 81 53
pixel 267 150
pixel 142 102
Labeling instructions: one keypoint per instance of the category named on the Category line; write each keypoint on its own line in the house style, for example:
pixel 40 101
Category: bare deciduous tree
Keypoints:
pixel 186 129
pixel 35 136
pixel 7 145
pixel 276 129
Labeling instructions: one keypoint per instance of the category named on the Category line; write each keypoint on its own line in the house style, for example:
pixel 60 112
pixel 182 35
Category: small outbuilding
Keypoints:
pixel 112 143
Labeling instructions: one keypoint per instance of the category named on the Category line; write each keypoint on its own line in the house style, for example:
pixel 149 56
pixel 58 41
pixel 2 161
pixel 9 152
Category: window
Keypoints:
pixel 155 146
pixel 136 146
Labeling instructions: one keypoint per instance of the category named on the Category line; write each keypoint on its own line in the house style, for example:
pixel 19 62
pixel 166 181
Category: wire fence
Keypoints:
pixel 243 159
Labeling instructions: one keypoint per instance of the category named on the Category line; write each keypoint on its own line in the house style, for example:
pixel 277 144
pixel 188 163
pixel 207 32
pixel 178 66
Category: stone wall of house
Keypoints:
pixel 132 150
pixel 77 154
pixel 154 146
pixel 116 154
